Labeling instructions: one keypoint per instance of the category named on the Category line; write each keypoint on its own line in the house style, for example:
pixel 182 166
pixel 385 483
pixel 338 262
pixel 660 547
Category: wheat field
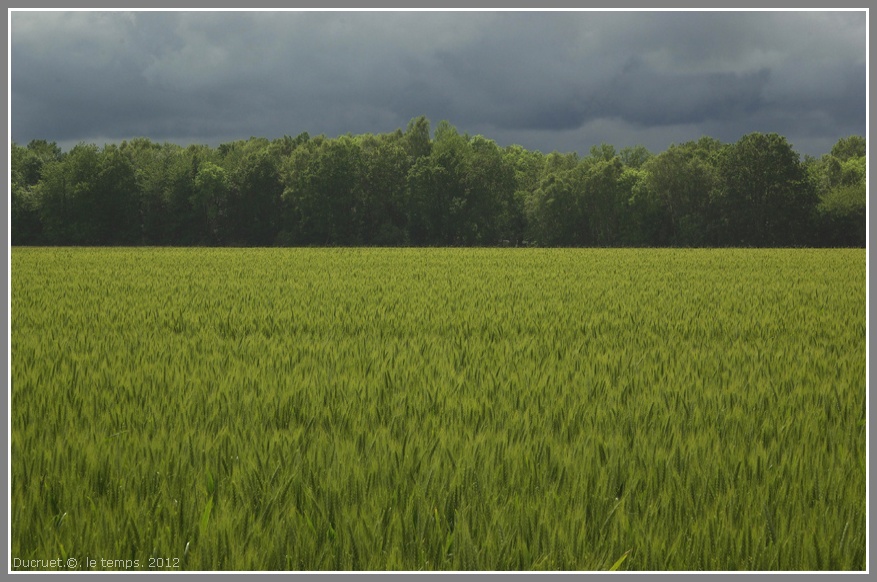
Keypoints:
pixel 438 409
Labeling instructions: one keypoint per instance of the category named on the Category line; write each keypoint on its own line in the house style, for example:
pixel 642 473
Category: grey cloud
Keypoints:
pixel 201 76
pixel 647 97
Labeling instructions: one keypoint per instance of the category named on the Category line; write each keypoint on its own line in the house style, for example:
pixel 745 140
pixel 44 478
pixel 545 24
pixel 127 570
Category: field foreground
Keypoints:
pixel 438 409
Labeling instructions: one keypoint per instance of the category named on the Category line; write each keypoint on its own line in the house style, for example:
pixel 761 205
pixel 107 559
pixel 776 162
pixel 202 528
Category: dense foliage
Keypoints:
pixel 410 188
pixel 444 409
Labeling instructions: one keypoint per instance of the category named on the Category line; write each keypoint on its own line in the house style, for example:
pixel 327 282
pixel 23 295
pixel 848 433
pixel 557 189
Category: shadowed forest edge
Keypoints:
pixel 412 188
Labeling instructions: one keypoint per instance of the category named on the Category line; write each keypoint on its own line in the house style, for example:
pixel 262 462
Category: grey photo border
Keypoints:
pixel 383 4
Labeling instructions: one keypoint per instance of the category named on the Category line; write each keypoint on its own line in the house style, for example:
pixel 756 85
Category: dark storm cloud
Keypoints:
pixel 645 96
pixel 545 80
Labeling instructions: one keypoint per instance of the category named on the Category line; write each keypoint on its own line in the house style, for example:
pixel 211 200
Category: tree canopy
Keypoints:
pixel 441 188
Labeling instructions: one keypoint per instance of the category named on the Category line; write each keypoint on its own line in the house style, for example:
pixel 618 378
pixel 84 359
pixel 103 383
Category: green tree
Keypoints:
pixel 323 187
pixel 840 181
pixel 842 215
pixel 32 159
pixel 417 141
pixel 558 217
pixel 427 213
pixel 680 183
pixel 556 162
pixel 155 165
pixel 210 201
pixel 528 167
pixel 604 152
pixel 489 189
pixel 115 217
pixel 254 195
pixel 765 197
pixel 89 198
pixel 634 157
pixel 642 214
pixel 172 189
pixel 846 148
pixel 439 204
pixel 68 197
pixel 24 198
pixel 601 200
pixel 385 167
pixel 405 188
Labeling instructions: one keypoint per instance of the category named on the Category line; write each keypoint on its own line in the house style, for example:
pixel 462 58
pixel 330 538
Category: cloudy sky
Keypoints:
pixel 546 80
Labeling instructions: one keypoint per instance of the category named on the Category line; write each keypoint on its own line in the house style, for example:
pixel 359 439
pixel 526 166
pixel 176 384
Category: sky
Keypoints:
pixel 548 81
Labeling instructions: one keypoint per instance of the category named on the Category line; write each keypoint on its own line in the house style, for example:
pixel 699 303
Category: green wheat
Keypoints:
pixel 443 409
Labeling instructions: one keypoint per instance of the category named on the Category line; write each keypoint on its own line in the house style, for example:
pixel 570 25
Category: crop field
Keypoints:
pixel 438 409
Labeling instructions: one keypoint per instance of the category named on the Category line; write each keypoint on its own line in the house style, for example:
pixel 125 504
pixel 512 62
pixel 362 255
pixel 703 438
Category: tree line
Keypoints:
pixel 443 188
